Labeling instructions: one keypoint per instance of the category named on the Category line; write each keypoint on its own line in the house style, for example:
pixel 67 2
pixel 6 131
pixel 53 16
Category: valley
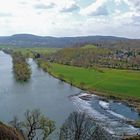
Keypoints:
pixel 103 87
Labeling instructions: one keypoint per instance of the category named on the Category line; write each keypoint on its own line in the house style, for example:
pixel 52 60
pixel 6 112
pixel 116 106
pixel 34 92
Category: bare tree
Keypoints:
pixel 80 126
pixel 15 123
pixel 35 125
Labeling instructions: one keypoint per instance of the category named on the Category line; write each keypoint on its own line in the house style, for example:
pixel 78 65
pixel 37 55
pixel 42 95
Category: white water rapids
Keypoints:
pixel 112 121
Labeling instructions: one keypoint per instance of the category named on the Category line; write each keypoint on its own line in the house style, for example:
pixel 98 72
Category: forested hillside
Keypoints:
pixel 28 40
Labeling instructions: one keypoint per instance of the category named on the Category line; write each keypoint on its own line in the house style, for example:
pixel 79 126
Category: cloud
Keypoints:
pixel 44 6
pixel 2 14
pixel 100 11
pixel 118 2
pixel 23 2
pixel 136 20
pixel 134 12
pixel 59 6
pixel 70 17
pixel 97 8
pixel 67 6
pixel 70 8
pixel 135 4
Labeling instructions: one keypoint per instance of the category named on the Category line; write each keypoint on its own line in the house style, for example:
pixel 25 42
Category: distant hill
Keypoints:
pixel 28 40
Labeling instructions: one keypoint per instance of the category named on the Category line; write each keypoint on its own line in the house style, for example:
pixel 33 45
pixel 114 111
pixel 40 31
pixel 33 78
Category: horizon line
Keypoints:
pixel 69 36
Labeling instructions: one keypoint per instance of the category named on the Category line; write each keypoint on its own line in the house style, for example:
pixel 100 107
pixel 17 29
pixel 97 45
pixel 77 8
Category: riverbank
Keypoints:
pixel 120 85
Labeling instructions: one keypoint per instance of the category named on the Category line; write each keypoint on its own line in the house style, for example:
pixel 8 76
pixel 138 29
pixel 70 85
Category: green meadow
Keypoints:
pixel 111 81
pixel 89 47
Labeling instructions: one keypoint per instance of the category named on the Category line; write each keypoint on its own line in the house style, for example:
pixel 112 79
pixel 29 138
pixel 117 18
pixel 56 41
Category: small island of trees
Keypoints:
pixel 21 68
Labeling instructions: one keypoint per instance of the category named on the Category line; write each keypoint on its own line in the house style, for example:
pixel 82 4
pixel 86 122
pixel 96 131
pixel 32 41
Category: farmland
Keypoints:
pixel 110 81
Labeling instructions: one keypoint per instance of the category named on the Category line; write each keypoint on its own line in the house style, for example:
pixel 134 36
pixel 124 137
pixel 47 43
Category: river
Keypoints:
pixel 42 92
pixel 57 100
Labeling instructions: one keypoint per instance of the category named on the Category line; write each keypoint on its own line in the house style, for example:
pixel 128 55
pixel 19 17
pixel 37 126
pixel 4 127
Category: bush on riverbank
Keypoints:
pixel 43 64
pixel 21 68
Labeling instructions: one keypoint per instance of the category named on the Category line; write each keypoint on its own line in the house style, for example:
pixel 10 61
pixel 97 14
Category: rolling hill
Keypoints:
pixel 29 40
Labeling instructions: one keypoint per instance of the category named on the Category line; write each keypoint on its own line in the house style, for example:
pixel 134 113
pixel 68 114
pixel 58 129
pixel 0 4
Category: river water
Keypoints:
pixel 111 115
pixel 57 100
pixel 42 92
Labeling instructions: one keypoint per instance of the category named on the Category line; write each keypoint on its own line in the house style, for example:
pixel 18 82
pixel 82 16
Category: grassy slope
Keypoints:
pixel 88 46
pixel 111 81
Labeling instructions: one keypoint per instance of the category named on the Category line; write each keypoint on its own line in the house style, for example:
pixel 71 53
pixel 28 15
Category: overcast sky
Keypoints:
pixel 70 17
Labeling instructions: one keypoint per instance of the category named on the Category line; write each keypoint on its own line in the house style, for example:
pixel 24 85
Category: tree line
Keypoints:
pixel 120 58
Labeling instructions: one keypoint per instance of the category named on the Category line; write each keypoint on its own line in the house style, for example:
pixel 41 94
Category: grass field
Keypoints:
pixel 88 47
pixel 111 81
